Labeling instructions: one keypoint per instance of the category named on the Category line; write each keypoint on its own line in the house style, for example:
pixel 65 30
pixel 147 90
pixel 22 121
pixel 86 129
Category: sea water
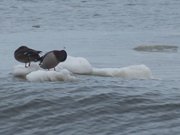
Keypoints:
pixel 105 86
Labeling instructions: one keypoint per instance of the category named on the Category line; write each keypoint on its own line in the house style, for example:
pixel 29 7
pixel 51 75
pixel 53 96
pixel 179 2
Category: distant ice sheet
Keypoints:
pixel 78 65
pixel 157 48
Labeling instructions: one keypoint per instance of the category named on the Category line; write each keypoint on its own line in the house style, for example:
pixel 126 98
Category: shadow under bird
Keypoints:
pixel 52 59
pixel 26 55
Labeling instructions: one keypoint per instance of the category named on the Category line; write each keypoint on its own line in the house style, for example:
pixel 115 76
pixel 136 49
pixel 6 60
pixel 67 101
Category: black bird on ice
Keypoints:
pixel 26 55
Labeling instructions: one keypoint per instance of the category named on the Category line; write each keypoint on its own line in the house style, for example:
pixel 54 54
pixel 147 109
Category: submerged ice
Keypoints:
pixel 66 71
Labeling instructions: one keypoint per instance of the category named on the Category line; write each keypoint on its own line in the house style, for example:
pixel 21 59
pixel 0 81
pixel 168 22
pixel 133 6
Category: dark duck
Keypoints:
pixel 26 55
pixel 52 59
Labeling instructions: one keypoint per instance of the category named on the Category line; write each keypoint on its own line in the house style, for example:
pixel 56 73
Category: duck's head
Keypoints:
pixel 60 55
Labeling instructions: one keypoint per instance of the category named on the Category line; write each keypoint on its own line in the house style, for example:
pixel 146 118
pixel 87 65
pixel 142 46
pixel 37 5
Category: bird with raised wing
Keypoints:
pixel 26 55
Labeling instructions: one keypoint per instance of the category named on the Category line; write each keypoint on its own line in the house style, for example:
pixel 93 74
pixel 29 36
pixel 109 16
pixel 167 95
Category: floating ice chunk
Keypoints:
pixel 131 72
pixel 42 75
pixel 78 65
pixel 21 71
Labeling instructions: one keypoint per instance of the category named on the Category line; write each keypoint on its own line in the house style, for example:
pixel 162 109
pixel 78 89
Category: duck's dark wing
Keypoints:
pixel 33 55
pixel 21 55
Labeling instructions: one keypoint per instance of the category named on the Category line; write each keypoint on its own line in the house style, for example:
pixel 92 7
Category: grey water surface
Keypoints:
pixel 104 32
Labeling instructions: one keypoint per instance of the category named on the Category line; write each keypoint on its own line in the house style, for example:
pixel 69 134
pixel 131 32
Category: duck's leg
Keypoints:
pixel 29 62
pixel 26 65
pixel 40 63
pixel 54 69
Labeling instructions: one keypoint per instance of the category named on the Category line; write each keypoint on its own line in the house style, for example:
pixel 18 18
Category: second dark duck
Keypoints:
pixel 26 55
pixel 52 59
